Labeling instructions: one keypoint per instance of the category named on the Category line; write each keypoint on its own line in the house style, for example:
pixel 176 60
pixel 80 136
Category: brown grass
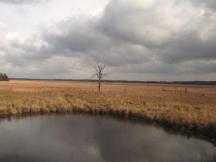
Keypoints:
pixel 194 108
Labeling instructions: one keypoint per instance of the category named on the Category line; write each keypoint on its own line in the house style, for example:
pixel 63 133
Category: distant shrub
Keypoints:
pixel 3 77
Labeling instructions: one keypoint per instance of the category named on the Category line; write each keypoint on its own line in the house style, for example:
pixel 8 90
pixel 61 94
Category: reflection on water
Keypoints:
pixel 95 139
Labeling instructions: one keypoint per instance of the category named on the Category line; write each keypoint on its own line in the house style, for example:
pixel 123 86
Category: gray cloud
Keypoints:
pixel 174 35
pixel 151 37
pixel 84 40
pixel 168 36
pixel 188 46
pixel 207 3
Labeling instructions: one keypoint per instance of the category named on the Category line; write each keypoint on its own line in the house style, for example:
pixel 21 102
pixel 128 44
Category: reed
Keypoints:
pixel 191 111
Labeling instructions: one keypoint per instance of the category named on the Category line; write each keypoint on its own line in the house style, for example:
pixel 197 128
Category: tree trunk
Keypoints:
pixel 99 86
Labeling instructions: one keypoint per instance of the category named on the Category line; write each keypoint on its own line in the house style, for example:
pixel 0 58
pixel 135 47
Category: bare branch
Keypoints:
pixel 99 73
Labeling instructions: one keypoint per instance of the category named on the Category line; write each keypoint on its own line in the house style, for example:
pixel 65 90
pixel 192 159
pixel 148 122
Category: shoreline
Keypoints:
pixel 192 113
pixel 207 133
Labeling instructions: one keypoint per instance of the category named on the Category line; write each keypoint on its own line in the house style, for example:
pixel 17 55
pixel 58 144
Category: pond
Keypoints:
pixel 83 138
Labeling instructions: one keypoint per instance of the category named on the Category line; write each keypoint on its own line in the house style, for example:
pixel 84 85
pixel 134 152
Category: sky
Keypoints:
pixel 146 40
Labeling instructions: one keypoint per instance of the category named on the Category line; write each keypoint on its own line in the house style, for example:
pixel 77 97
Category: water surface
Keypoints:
pixel 78 138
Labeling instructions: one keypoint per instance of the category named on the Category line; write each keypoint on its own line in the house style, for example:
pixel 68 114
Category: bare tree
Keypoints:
pixel 99 73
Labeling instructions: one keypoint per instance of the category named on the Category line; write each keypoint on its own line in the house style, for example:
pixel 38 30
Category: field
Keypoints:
pixel 186 107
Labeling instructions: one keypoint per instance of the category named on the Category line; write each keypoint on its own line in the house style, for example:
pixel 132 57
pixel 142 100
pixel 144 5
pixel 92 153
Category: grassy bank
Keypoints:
pixel 191 108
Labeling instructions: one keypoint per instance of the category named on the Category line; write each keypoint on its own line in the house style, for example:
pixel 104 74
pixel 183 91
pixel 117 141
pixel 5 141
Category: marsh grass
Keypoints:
pixel 172 106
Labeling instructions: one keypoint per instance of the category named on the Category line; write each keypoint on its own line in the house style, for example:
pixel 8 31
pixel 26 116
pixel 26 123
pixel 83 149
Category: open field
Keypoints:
pixel 187 107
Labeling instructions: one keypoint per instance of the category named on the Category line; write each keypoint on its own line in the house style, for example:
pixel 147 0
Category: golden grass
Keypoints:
pixel 195 109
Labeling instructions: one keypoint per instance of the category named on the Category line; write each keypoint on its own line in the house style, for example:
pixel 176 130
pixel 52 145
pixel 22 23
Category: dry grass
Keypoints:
pixel 195 109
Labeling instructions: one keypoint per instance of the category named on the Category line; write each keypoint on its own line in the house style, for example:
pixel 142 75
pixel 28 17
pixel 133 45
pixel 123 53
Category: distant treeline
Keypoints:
pixel 127 81
pixel 3 77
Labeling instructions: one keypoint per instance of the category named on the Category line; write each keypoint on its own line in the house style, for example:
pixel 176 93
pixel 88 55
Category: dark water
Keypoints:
pixel 74 138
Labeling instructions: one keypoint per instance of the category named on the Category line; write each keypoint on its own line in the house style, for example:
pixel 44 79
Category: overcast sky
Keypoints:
pixel 136 39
